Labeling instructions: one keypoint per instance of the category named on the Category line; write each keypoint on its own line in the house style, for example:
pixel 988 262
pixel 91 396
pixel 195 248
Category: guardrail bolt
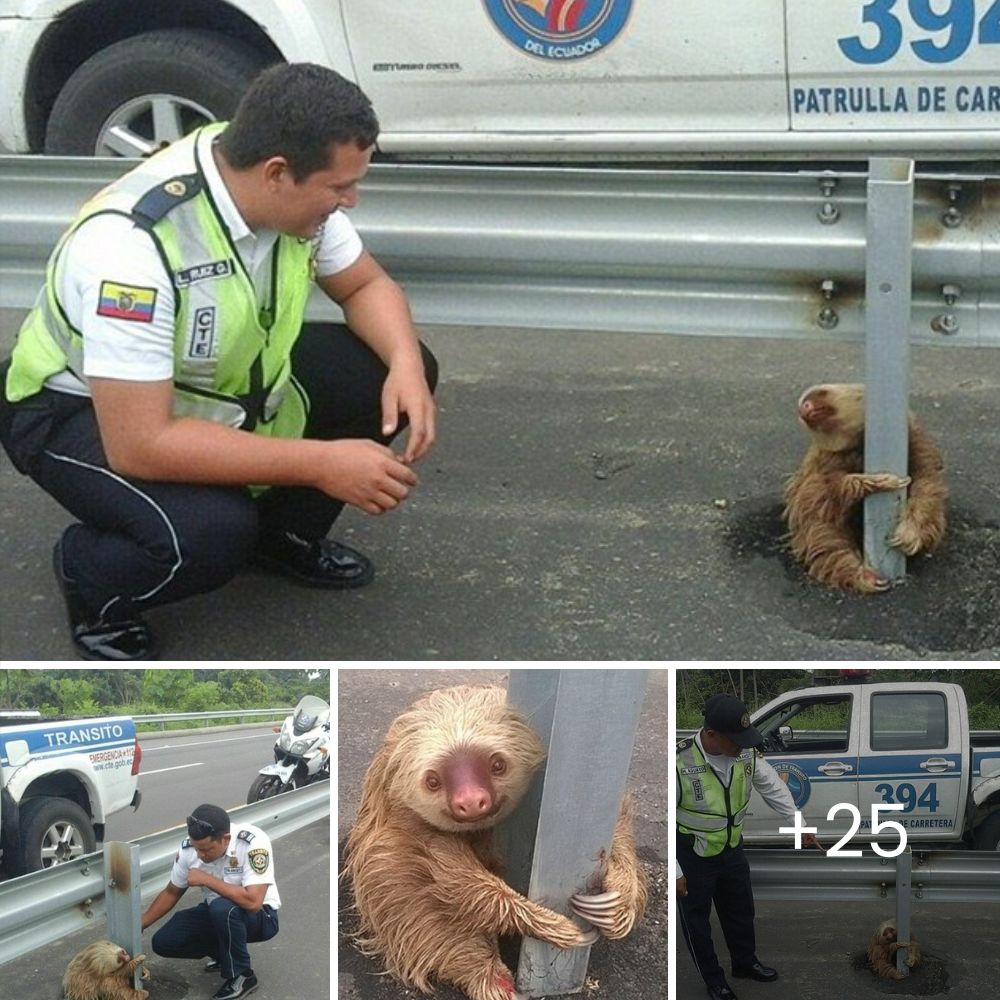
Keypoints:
pixel 947 323
pixel 952 218
pixel 827 318
pixel 829 213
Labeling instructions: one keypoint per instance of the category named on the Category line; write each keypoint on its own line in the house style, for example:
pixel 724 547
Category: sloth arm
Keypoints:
pixel 616 910
pixel 482 901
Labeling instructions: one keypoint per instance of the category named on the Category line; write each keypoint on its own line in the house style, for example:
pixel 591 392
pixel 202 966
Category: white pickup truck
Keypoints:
pixel 868 744
pixel 60 779
pixel 522 79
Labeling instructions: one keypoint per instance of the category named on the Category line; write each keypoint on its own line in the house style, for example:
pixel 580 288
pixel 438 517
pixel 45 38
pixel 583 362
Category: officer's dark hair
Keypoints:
pixel 297 110
pixel 208 820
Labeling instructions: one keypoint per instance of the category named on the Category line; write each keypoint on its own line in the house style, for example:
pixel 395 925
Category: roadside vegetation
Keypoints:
pixel 756 687
pixel 155 692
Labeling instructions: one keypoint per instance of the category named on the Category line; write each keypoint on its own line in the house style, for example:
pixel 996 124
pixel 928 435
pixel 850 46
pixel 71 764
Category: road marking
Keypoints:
pixel 201 743
pixel 146 774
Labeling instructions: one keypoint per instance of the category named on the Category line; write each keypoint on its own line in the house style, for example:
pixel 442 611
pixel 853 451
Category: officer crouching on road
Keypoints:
pixel 716 771
pixel 235 869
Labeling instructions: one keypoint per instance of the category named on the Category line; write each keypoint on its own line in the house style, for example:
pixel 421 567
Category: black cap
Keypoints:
pixel 208 821
pixel 728 715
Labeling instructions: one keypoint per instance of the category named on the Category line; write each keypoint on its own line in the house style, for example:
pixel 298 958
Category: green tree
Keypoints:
pixel 202 697
pixel 166 688
pixel 250 691
pixel 76 696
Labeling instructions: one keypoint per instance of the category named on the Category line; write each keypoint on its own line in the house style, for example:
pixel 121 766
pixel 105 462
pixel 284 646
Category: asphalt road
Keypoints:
pixel 180 772
pixel 819 952
pixel 593 496
pixel 634 968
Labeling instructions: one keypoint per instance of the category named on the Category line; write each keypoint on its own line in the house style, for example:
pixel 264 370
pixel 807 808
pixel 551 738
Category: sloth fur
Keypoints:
pixel 823 499
pixel 421 859
pixel 103 971
pixel 882 951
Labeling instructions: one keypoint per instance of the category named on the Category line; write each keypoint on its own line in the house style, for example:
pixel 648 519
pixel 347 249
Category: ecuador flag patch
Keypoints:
pixel 126 302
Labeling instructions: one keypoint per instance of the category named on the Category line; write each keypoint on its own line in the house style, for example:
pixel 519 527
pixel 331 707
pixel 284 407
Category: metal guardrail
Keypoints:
pixel 668 251
pixel 47 905
pixel 937 876
pixel 206 717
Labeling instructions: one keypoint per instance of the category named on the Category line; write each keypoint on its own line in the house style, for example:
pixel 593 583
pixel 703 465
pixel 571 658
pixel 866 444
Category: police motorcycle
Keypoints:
pixel 301 752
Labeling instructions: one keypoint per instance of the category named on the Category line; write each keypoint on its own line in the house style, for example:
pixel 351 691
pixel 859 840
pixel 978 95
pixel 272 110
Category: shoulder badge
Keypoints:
pixel 186 842
pixel 259 859
pixel 159 200
pixel 685 743
pixel 245 835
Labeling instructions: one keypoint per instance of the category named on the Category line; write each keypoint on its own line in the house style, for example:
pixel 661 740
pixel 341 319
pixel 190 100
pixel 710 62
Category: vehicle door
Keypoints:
pixel 893 64
pixel 811 743
pixel 912 754
pixel 513 68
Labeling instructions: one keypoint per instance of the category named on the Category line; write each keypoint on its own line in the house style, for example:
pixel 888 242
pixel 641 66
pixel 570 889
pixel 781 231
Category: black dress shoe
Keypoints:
pixel 762 973
pixel 723 992
pixel 324 563
pixel 94 638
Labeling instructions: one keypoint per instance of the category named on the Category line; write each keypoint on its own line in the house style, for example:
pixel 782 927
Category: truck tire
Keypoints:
pixel 53 830
pixel 987 834
pixel 188 77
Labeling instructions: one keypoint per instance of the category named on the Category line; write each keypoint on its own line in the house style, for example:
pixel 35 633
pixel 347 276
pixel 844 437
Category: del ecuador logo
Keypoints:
pixel 559 29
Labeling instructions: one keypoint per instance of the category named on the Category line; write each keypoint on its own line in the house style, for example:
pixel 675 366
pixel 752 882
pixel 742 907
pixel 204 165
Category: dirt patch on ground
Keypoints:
pixel 930 978
pixel 950 601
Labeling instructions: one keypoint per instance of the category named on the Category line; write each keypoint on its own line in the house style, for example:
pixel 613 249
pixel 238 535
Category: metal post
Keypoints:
pixel 122 900
pixel 587 719
pixel 904 905
pixel 888 287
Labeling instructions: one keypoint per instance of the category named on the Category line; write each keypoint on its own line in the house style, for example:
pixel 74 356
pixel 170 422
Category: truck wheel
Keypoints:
pixel 142 93
pixel 53 831
pixel 987 835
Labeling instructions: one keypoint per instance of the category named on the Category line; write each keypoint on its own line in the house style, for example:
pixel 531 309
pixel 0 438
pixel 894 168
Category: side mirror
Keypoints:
pixel 17 752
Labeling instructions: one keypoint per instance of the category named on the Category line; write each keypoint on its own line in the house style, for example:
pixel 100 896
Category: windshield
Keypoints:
pixel 310 713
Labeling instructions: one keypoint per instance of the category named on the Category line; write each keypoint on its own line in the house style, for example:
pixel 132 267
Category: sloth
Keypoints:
pixel 823 499
pixel 103 971
pixel 882 951
pixel 421 860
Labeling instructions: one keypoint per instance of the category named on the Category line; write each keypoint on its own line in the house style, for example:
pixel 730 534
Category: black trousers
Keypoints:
pixel 219 930
pixel 139 544
pixel 725 881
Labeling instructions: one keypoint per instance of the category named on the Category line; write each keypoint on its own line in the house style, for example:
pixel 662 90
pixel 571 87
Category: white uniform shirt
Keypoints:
pixel 111 248
pixel 248 860
pixel 765 781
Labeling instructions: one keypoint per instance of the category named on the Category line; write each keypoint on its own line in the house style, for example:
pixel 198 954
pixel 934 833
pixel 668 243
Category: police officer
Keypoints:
pixel 235 869
pixel 716 771
pixel 165 376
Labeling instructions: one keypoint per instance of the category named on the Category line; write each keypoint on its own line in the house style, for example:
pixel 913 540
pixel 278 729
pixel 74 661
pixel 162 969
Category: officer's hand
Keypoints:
pixel 406 391
pixel 682 886
pixel 365 474
pixel 809 839
pixel 197 877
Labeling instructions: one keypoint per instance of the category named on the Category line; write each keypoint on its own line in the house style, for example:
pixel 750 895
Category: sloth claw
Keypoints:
pixel 601 909
pixel 598 899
